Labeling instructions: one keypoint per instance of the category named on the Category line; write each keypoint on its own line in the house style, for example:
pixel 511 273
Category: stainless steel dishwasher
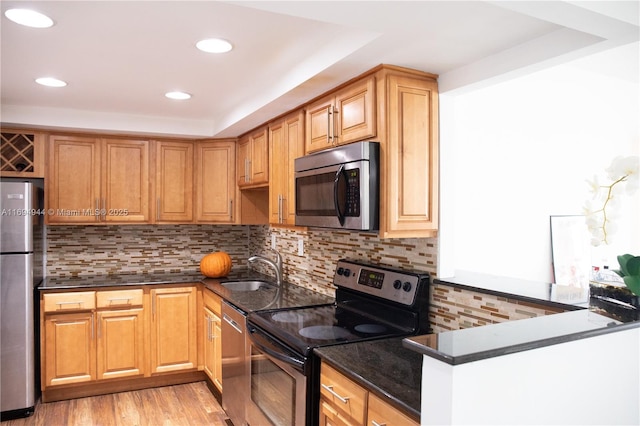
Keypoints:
pixel 234 364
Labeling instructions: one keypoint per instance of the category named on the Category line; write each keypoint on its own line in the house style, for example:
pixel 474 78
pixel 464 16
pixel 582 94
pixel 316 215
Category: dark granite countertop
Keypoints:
pixel 117 280
pixel 385 367
pixel 474 344
pixel 553 295
pixel 289 295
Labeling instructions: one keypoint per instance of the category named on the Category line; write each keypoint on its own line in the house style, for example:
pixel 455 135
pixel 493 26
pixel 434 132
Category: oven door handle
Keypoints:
pixel 336 201
pixel 265 345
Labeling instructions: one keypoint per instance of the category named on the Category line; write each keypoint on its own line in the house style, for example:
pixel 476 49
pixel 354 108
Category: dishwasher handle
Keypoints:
pixel 232 323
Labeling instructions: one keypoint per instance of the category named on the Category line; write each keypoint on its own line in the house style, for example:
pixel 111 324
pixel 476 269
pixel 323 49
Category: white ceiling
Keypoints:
pixel 120 57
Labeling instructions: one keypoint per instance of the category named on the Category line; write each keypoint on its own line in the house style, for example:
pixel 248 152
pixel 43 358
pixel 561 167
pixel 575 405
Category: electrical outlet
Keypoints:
pixel 300 247
pixel 273 241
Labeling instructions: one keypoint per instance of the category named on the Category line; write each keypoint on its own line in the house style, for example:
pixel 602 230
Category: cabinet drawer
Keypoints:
pixel 343 394
pixel 381 413
pixel 71 301
pixel 119 298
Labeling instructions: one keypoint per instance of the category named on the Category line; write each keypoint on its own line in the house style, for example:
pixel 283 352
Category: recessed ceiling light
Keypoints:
pixel 28 17
pixel 214 45
pixel 180 96
pixel 51 82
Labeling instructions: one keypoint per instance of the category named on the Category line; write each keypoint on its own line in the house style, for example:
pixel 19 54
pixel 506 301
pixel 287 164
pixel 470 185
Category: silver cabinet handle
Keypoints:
pixel 279 208
pixel 69 303
pixel 374 423
pixel 329 109
pixel 104 209
pixel 343 399
pixel 334 137
pixel 120 299
pixel 231 210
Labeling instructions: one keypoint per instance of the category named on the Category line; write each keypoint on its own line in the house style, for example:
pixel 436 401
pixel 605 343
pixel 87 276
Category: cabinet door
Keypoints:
pixel 215 181
pixel 217 352
pixel 244 161
pixel 277 170
pixel 260 157
pixel 410 199
pixel 173 329
pixel 72 186
pixel 355 116
pixel 294 134
pixel 319 117
pixel 69 348
pixel 174 182
pixel 120 344
pixel 381 413
pixel 125 181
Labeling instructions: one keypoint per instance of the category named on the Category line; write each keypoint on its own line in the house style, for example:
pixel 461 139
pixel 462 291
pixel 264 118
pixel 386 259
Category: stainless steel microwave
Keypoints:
pixel 339 188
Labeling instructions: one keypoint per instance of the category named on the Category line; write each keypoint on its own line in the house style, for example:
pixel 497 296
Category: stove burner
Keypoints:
pixel 290 317
pixel 324 332
pixel 370 328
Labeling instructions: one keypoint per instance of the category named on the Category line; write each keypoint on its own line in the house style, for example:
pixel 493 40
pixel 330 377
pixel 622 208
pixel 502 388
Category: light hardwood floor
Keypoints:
pixel 189 404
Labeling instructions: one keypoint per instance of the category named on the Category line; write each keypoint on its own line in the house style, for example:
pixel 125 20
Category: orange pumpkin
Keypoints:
pixel 215 265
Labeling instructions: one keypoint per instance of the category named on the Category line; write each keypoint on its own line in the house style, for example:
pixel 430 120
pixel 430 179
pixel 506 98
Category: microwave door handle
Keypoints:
pixel 336 202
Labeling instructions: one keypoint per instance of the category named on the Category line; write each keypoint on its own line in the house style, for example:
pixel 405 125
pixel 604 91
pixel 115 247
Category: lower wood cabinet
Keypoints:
pixel 173 329
pixel 69 351
pixel 212 336
pixel 344 402
pixel 90 338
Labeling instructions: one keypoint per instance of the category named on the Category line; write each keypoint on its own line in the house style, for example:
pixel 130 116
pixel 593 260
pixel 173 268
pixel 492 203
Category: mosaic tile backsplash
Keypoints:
pixel 452 308
pixel 104 250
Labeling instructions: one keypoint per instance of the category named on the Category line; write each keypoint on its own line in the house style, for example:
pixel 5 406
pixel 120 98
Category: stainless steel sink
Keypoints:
pixel 252 285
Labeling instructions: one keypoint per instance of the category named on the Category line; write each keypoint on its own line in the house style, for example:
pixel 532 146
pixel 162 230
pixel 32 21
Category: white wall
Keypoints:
pixel 517 152
pixel 593 381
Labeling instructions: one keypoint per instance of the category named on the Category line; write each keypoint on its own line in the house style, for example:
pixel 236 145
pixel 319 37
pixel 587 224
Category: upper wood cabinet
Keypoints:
pixel 253 159
pixel 215 170
pixel 347 115
pixel 21 153
pixel 286 143
pixel 92 180
pixel 409 154
pixel 174 182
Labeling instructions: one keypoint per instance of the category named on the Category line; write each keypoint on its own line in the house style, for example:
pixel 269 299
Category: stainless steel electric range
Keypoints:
pixel 372 302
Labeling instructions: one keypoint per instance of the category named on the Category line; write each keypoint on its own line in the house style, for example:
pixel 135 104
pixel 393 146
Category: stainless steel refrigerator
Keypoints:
pixel 21 270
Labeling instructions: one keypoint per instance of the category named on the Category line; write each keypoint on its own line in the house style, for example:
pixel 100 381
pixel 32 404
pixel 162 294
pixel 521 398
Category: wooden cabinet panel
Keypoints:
pixel 381 413
pixel 125 180
pixel 215 181
pixel 69 348
pixel 348 115
pixel 410 191
pixel 329 416
pixel 286 143
pixel 93 180
pixel 173 329
pixel 120 344
pixel 119 298
pixel 212 337
pixel 253 159
pixel 174 182
pixel 72 186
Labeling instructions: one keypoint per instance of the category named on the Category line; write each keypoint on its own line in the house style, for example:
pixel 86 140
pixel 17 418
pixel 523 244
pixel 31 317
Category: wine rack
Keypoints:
pixel 20 154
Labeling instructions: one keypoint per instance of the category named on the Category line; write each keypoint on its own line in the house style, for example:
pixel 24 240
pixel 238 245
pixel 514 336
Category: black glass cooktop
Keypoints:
pixel 306 328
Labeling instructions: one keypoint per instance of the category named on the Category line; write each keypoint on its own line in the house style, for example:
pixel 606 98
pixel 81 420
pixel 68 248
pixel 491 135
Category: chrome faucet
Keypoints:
pixel 277 265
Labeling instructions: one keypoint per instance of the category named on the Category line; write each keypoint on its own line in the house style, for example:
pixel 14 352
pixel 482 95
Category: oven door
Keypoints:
pixel 278 383
pixel 336 196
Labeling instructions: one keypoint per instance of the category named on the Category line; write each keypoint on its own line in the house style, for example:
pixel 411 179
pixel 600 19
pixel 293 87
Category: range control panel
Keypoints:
pixel 388 283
